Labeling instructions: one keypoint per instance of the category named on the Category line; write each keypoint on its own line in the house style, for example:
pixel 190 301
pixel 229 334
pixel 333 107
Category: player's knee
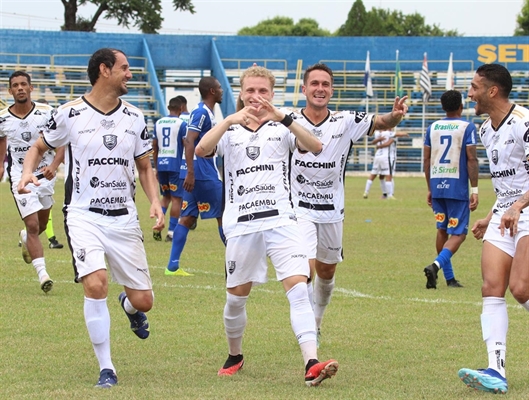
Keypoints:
pixel 142 300
pixel 519 291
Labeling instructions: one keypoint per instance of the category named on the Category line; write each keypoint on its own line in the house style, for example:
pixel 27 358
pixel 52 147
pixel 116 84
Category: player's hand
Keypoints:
pixel 189 182
pixel 473 205
pixel 245 116
pixel 48 172
pixel 156 212
pixel 24 181
pixel 429 199
pixel 399 107
pixel 509 221
pixel 479 228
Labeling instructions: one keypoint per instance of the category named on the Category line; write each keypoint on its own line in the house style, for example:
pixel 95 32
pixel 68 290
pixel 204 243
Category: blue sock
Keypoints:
pixel 445 263
pixel 179 241
pixel 221 234
pixel 172 223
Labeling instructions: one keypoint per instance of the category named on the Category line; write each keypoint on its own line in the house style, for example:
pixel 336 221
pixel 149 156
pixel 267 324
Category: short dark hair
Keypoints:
pixel 20 73
pixel 205 84
pixel 105 56
pixel 498 75
pixel 451 100
pixel 182 99
pixel 317 67
pixel 174 104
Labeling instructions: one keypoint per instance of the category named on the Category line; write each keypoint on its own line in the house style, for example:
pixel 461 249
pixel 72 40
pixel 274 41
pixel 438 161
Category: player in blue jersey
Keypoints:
pixel 450 161
pixel 202 184
pixel 184 112
pixel 169 133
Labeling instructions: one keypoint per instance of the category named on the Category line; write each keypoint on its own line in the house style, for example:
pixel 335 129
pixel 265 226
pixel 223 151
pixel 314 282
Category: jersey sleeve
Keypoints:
pixel 360 124
pixel 199 120
pixel 427 141
pixel 470 135
pixel 56 130
pixel 143 145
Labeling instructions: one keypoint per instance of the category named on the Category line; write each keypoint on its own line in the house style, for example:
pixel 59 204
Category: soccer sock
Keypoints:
pixel 221 234
pixel 310 291
pixel 49 227
pixel 40 266
pixel 383 187
pixel 526 305
pixel 127 305
pixel 445 263
pixel 173 221
pixel 179 241
pixel 97 320
pixel 368 185
pixel 389 187
pixel 234 322
pixel 302 320
pixel 322 297
pixel 494 324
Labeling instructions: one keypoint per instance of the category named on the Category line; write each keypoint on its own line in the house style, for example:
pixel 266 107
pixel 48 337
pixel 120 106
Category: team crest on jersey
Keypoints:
pixel 108 124
pixel 26 136
pixel 73 113
pixel 253 152
pixel 23 202
pixel 110 141
pixel 231 266
pixel 495 156
pixel 80 254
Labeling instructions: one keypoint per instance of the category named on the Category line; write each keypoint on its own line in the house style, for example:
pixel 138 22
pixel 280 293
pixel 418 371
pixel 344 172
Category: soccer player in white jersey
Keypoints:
pixel 383 163
pixel 107 140
pixel 258 218
pixel 505 230
pixel 167 147
pixel 450 162
pixel 21 124
pixel 317 178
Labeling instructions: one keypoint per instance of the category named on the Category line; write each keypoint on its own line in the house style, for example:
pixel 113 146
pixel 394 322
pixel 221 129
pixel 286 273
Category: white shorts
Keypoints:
pixel 40 198
pixel 383 166
pixel 246 256
pixel 505 243
pixel 122 248
pixel 323 241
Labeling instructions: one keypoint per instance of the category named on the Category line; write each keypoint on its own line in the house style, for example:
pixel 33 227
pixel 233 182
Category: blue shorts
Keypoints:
pixel 205 199
pixel 452 215
pixel 170 183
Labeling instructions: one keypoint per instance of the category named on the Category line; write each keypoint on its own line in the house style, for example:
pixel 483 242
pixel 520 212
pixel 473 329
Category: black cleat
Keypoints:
pixel 54 243
pixel 453 283
pixel 431 276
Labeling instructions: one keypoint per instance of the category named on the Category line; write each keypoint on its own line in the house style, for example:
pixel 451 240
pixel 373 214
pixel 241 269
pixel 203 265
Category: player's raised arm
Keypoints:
pixel 31 162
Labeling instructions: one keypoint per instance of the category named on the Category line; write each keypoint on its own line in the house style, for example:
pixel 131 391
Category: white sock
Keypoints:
pixel 97 320
pixel 389 187
pixel 235 322
pixel 302 321
pixel 368 185
pixel 322 297
pixel 383 186
pixel 127 305
pixel 40 266
pixel 526 305
pixel 494 324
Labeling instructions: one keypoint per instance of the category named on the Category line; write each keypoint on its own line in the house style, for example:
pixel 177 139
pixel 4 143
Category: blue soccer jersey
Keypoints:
pixel 169 132
pixel 447 139
pixel 201 120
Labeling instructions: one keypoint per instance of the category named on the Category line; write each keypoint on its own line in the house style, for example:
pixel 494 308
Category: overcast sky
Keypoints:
pixel 470 18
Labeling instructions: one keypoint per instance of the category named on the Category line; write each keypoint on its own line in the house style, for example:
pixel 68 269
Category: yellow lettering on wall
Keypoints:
pixel 525 52
pixel 507 53
pixel 487 53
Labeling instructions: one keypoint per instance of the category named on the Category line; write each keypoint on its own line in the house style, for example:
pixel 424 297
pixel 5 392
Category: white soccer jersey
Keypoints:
pixel 257 188
pixel 102 148
pixel 318 179
pixel 508 154
pixel 389 151
pixel 21 133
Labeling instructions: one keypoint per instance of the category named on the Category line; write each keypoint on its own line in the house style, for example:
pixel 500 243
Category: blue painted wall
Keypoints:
pixel 194 52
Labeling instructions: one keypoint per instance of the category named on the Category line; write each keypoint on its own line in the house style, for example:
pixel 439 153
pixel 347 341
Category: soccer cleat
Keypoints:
pixel 107 379
pixel 365 195
pixel 194 226
pixel 46 284
pixel 391 197
pixel 168 238
pixel 157 235
pixel 232 365
pixel 54 243
pixel 178 272
pixel 431 276
pixel 25 252
pixel 487 380
pixel 453 283
pixel 320 371
pixel 138 321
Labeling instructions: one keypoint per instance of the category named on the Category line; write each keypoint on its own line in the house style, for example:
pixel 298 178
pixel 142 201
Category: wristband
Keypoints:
pixel 474 190
pixel 287 121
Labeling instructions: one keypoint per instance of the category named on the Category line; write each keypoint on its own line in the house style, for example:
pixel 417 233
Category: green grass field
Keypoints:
pixel 393 338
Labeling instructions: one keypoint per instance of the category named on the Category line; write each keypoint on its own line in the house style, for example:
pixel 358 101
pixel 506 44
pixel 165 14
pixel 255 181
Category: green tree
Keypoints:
pixel 522 28
pixel 385 22
pixel 145 15
pixel 284 26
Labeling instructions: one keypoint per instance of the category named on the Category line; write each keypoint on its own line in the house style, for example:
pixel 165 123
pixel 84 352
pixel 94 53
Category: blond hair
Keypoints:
pixel 258 72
